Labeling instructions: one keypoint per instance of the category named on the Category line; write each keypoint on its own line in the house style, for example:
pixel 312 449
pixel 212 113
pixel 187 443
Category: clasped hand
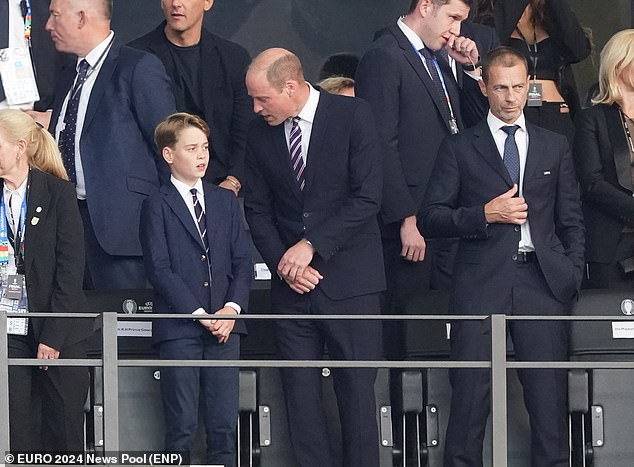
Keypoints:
pixel 507 208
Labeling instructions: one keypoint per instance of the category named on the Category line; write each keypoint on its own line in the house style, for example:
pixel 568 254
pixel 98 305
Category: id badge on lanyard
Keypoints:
pixel 13 297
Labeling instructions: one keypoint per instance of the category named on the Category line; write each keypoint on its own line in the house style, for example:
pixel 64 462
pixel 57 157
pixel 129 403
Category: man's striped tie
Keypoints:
pixel 201 220
pixel 295 150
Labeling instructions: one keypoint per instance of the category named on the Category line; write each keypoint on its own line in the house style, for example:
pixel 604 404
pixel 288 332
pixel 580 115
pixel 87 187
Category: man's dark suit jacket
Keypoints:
pixel 469 173
pixel 48 63
pixel 337 209
pixel 54 260
pixel 602 158
pixel 392 78
pixel 131 95
pixel 228 109
pixel 176 263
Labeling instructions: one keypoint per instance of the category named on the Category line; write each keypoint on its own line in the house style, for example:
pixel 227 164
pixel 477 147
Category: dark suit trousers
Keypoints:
pixel 104 271
pixel 46 408
pixel 217 389
pixel 545 391
pixel 354 388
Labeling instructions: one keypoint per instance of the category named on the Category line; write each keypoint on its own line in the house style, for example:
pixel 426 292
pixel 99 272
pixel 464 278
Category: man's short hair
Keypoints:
pixel 502 56
pixel 285 68
pixel 166 133
pixel 415 3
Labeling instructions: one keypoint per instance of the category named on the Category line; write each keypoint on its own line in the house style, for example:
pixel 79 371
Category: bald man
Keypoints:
pixel 312 195
pixel 104 116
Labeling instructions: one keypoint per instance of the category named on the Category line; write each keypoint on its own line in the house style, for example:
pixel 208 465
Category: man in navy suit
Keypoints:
pixel 410 75
pixel 508 190
pixel 104 117
pixel 313 192
pixel 197 258
pixel 207 75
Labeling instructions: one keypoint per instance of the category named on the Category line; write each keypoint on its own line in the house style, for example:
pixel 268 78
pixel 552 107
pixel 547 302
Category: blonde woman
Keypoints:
pixel 41 265
pixel 604 156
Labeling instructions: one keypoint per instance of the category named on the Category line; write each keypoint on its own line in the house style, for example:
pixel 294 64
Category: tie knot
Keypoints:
pixel 427 53
pixel 295 121
pixel 510 129
pixel 83 67
pixel 193 191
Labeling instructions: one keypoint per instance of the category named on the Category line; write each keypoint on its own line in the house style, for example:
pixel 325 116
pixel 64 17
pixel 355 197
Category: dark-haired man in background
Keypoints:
pixel 207 75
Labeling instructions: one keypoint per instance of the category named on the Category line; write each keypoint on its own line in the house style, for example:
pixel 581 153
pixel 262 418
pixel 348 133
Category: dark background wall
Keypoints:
pixel 315 29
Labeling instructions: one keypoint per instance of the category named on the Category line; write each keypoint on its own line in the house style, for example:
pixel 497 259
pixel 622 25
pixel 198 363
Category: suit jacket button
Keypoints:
pixel 205 284
pixel 306 214
pixel 514 258
pixel 203 257
pixel 517 228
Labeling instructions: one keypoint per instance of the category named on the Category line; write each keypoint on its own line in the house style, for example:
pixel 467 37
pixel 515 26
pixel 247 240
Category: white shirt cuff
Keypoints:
pixel 199 311
pixel 235 306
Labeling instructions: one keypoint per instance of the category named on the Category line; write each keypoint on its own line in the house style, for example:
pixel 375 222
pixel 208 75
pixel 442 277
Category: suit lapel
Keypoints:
pixel 280 153
pixel 62 91
pixel 176 203
pixel 414 59
pixel 320 123
pixel 212 212
pixel 103 81
pixel 536 148
pixel 620 148
pixel 485 146
pixel 36 209
pixel 212 75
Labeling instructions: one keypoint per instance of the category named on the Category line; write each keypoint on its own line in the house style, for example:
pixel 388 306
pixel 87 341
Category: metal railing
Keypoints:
pixel 110 362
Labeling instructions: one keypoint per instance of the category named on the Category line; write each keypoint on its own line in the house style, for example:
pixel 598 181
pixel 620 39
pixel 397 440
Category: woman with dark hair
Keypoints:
pixel 604 157
pixel 41 270
pixel 551 38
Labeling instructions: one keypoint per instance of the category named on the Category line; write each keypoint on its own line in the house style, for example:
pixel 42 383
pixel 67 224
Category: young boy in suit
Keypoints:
pixel 197 258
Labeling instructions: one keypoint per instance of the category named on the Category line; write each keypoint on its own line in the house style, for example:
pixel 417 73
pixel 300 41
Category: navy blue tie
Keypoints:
pixel 432 68
pixel 511 153
pixel 201 220
pixel 67 136
pixel 4 33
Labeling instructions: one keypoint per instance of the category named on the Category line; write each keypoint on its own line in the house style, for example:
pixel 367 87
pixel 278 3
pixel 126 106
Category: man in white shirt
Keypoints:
pixel 104 117
pixel 508 189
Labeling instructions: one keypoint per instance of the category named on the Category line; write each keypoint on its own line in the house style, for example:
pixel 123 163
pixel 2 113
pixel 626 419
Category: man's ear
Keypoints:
pixel 168 155
pixel 483 87
pixel 425 7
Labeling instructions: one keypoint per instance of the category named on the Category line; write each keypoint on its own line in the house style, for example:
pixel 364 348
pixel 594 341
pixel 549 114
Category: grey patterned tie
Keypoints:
pixel 511 153
pixel 201 219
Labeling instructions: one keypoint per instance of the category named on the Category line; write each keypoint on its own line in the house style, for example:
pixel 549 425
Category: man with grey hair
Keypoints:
pixel 104 117
pixel 313 191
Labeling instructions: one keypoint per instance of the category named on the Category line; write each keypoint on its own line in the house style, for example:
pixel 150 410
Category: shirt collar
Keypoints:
pixel 21 190
pixel 310 108
pixel 495 124
pixel 414 39
pixel 95 54
pixel 185 190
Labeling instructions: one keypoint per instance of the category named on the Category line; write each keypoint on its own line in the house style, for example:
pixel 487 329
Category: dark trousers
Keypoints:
pixel 46 408
pixel 354 387
pixel 545 391
pixel 613 275
pixel 215 389
pixel 407 283
pixel 105 271
pixel 553 117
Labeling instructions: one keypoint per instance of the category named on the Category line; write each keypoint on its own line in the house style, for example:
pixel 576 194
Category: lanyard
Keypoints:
pixel 453 123
pixel 532 53
pixel 77 85
pixel 627 130
pixel 17 240
pixel 25 6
